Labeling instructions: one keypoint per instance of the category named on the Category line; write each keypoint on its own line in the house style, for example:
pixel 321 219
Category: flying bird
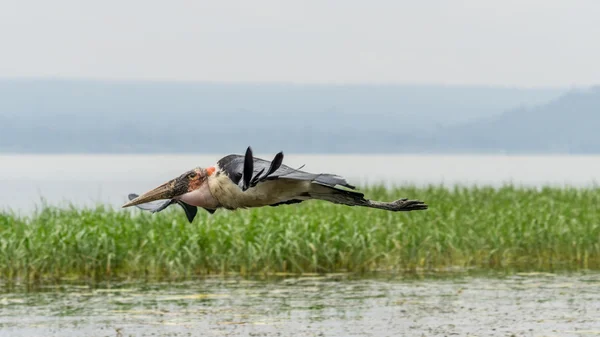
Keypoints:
pixel 244 181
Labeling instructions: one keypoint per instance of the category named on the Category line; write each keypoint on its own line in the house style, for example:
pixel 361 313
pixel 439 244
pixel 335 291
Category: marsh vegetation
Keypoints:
pixel 530 229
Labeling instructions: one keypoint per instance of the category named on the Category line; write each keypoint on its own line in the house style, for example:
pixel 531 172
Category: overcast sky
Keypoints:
pixel 507 42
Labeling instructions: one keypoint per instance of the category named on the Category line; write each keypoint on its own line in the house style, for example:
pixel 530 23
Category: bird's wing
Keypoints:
pixel 157 206
pixel 153 206
pixel 190 211
pixel 248 171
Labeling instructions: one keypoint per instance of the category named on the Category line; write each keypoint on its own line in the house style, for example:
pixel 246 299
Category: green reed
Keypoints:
pixel 465 227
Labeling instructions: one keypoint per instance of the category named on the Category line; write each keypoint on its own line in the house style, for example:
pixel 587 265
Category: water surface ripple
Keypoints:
pixel 517 305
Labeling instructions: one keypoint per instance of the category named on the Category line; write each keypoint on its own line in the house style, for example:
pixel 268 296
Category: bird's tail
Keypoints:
pixel 351 198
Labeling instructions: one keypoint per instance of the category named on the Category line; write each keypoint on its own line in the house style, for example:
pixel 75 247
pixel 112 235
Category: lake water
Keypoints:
pixel 91 179
pixel 331 305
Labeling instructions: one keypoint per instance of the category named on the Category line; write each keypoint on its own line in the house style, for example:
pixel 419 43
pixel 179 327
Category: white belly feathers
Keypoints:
pixel 231 196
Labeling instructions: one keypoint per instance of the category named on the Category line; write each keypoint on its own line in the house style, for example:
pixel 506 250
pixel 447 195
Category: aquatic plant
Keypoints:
pixel 465 227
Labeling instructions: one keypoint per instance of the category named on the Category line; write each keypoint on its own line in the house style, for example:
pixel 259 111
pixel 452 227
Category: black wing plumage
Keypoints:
pixel 248 170
pixel 238 168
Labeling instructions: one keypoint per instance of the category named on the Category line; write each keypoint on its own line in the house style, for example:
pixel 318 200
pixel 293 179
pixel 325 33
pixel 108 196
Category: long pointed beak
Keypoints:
pixel 168 190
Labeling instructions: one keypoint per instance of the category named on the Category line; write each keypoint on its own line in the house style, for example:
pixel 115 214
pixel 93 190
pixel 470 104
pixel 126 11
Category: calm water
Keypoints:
pixel 89 179
pixel 519 305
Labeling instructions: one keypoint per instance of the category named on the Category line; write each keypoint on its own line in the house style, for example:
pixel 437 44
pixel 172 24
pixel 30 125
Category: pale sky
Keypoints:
pixel 505 42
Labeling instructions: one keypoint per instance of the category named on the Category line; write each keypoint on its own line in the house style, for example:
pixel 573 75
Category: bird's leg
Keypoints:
pixel 401 205
pixel 352 198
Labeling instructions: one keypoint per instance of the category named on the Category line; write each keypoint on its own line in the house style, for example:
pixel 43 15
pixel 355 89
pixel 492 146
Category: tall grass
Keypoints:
pixel 533 229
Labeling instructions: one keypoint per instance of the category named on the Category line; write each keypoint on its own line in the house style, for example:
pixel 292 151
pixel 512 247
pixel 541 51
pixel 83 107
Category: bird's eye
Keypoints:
pixel 193 175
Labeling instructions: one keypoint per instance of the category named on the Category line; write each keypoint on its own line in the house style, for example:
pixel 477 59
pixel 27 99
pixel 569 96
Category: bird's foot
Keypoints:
pixel 408 205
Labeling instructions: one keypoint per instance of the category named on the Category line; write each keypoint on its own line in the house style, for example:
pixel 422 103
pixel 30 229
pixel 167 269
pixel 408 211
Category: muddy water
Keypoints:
pixel 516 305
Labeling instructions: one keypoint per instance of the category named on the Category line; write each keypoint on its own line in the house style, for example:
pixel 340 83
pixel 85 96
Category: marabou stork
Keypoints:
pixel 238 181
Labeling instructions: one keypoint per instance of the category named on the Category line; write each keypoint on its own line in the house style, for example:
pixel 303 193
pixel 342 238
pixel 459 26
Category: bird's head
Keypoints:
pixel 185 183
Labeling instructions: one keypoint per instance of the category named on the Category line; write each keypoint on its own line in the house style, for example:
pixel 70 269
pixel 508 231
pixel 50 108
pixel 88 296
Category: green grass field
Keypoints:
pixel 484 228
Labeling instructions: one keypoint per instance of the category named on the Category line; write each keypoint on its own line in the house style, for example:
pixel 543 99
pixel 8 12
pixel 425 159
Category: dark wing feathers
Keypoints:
pixel 233 166
pixel 248 171
pixel 154 206
pixel 257 178
pixel 323 178
pixel 190 211
pixel 236 167
pixel 288 202
pixel 275 164
pixel 157 206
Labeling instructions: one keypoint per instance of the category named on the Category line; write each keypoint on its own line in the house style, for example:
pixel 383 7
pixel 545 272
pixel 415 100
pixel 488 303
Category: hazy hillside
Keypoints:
pixel 100 116
pixel 568 124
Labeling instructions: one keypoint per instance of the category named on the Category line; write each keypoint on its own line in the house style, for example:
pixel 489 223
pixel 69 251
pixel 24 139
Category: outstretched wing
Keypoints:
pixel 248 171
pixel 157 206
pixel 153 206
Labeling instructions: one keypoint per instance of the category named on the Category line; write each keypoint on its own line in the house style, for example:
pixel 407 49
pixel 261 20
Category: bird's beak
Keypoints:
pixel 171 189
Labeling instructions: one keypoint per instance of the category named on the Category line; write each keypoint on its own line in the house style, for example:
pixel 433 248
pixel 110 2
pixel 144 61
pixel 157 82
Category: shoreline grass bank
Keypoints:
pixel 466 227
